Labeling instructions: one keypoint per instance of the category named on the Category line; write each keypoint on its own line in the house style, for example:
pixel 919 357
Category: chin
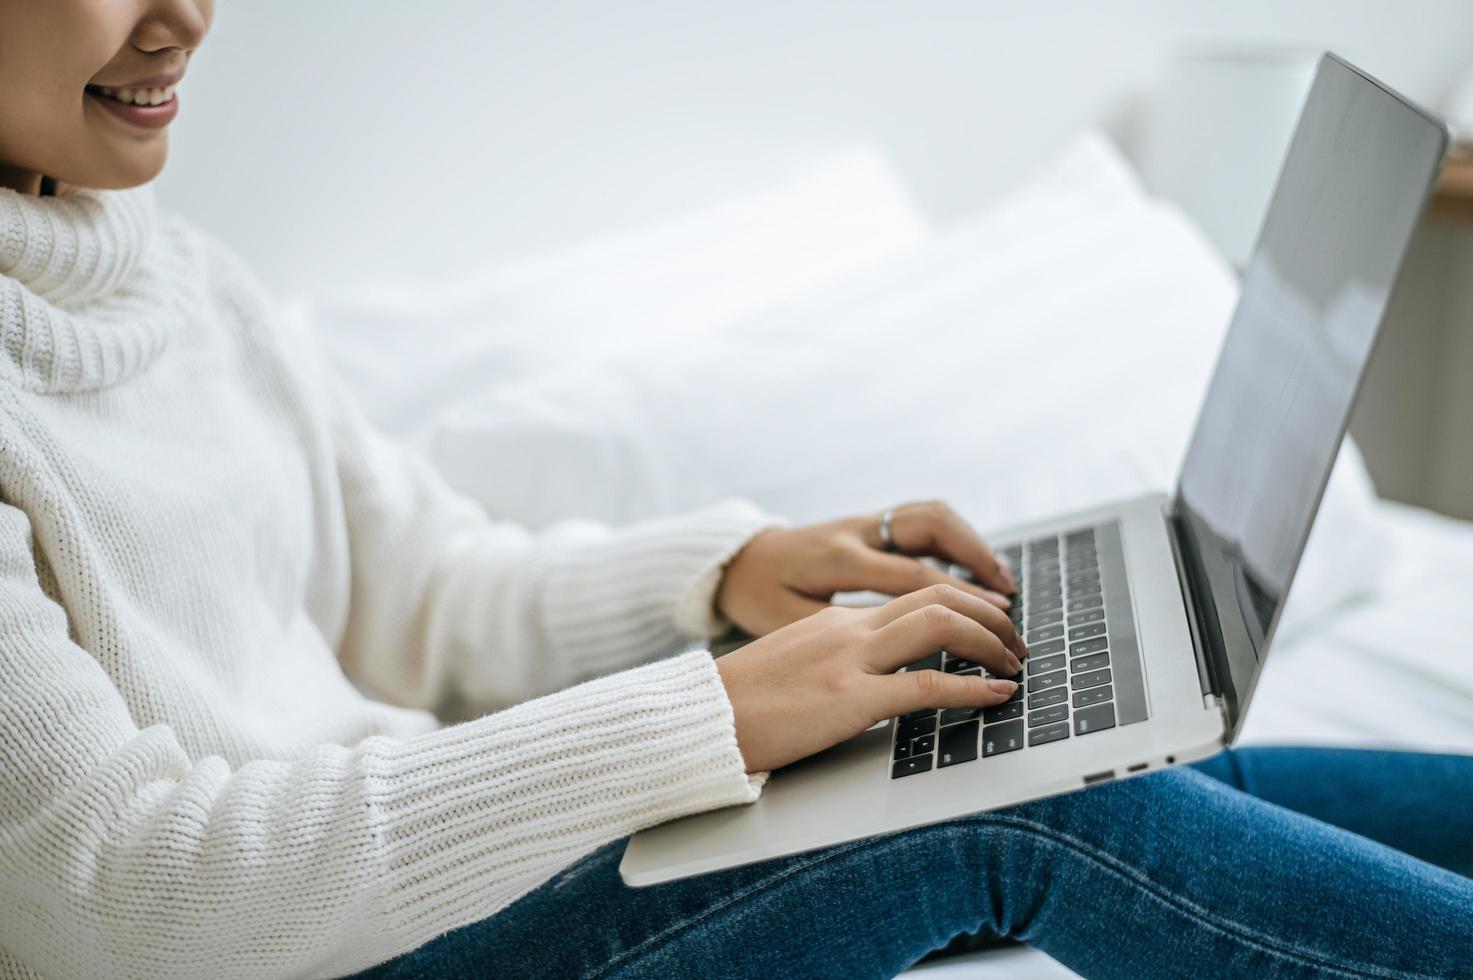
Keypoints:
pixel 132 169
pixel 134 176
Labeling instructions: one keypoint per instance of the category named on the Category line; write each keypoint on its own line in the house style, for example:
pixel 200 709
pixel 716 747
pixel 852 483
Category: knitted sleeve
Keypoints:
pixel 447 603
pixel 122 855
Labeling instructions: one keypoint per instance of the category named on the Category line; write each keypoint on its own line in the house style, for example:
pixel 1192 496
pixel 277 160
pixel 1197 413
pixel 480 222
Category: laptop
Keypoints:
pixel 1148 621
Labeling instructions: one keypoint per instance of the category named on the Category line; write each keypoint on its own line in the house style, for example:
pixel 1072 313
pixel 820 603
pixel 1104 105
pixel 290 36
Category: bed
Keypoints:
pixel 822 348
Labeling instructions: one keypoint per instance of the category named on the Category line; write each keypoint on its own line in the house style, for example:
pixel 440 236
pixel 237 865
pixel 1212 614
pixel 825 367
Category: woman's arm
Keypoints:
pixel 449 602
pixel 122 855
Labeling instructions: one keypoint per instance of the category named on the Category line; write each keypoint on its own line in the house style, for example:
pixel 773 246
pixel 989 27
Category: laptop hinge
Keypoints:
pixel 1200 609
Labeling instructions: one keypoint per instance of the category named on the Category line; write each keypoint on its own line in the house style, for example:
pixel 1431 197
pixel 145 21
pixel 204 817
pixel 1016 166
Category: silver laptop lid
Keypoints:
pixel 1353 187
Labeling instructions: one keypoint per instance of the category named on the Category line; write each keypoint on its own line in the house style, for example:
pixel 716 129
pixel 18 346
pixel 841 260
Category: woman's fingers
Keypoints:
pixel 969 605
pixel 916 690
pixel 935 529
pixel 898 575
pixel 923 631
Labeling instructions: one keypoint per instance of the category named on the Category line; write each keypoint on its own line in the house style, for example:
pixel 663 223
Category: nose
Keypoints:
pixel 172 25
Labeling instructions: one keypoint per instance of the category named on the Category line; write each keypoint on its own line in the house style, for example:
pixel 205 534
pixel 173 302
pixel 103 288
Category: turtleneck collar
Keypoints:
pixel 75 248
pixel 81 303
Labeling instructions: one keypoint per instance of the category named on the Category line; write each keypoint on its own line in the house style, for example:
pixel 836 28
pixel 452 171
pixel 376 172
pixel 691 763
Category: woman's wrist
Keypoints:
pixel 719 533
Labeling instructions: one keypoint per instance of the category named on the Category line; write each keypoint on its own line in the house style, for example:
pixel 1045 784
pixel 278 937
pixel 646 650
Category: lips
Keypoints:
pixel 146 107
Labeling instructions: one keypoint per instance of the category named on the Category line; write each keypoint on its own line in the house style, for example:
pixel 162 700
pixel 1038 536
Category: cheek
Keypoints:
pixel 44 85
pixel 39 125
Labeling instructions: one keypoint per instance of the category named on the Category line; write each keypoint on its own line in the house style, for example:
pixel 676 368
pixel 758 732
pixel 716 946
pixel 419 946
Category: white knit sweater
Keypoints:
pixel 201 542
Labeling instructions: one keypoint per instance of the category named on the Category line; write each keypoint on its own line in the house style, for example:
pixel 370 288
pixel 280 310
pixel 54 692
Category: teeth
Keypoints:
pixel 139 96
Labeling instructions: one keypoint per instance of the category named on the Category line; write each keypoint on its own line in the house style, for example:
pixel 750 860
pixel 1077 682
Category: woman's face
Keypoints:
pixel 88 87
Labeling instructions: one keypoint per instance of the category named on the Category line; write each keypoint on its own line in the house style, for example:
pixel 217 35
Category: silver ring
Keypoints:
pixel 887 538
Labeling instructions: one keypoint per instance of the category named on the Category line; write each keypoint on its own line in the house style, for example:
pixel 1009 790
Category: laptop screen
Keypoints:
pixel 1352 188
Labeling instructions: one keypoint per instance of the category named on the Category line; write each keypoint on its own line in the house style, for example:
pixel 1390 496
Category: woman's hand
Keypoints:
pixel 829 676
pixel 785 574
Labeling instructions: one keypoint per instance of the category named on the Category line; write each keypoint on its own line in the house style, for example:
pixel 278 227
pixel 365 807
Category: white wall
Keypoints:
pixel 332 140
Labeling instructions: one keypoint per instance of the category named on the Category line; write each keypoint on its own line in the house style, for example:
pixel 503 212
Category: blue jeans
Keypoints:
pixel 1257 863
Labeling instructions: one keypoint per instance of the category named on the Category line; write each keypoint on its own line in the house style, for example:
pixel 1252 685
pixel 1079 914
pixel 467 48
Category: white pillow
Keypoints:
pixel 1048 355
pixel 412 348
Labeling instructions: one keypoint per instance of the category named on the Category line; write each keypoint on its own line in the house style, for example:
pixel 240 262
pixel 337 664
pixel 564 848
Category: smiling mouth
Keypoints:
pixel 135 96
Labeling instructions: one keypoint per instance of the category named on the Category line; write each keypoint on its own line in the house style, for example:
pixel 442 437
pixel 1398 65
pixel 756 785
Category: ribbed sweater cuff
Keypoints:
pixel 642 590
pixel 523 793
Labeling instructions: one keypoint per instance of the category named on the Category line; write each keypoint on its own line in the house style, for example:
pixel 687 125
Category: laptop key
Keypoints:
pixel 1097 645
pixel 911 766
pixel 918 715
pixel 1094 695
pixel 1048 733
pixel 958 744
pixel 1081 603
pixel 1047 618
pixel 1042 665
pixel 1045 698
pixel 1005 737
pixel 1047 605
pixel 1096 718
pixel 902 750
pixel 1044 682
pixel 1094 678
pixel 953 715
pixel 915 729
pixel 1044 649
pixel 923 745
pixel 1086 616
pixel 1006 711
pixel 1086 631
pixel 1044 633
pixel 1048 716
pixel 1092 662
pixel 957 664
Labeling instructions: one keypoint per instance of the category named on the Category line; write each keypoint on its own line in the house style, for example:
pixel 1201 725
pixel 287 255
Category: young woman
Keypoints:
pixel 228 606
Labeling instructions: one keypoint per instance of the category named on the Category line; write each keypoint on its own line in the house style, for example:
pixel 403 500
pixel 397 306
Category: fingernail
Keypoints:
pixel 999 599
pixel 1001 686
pixel 1014 662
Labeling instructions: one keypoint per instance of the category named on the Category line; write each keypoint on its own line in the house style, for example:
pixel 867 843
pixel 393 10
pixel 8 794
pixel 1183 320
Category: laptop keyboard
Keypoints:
pixel 1066 688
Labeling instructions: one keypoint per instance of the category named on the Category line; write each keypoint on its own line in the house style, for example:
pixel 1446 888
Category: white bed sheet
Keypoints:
pixel 1393 668
pixel 1047 355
